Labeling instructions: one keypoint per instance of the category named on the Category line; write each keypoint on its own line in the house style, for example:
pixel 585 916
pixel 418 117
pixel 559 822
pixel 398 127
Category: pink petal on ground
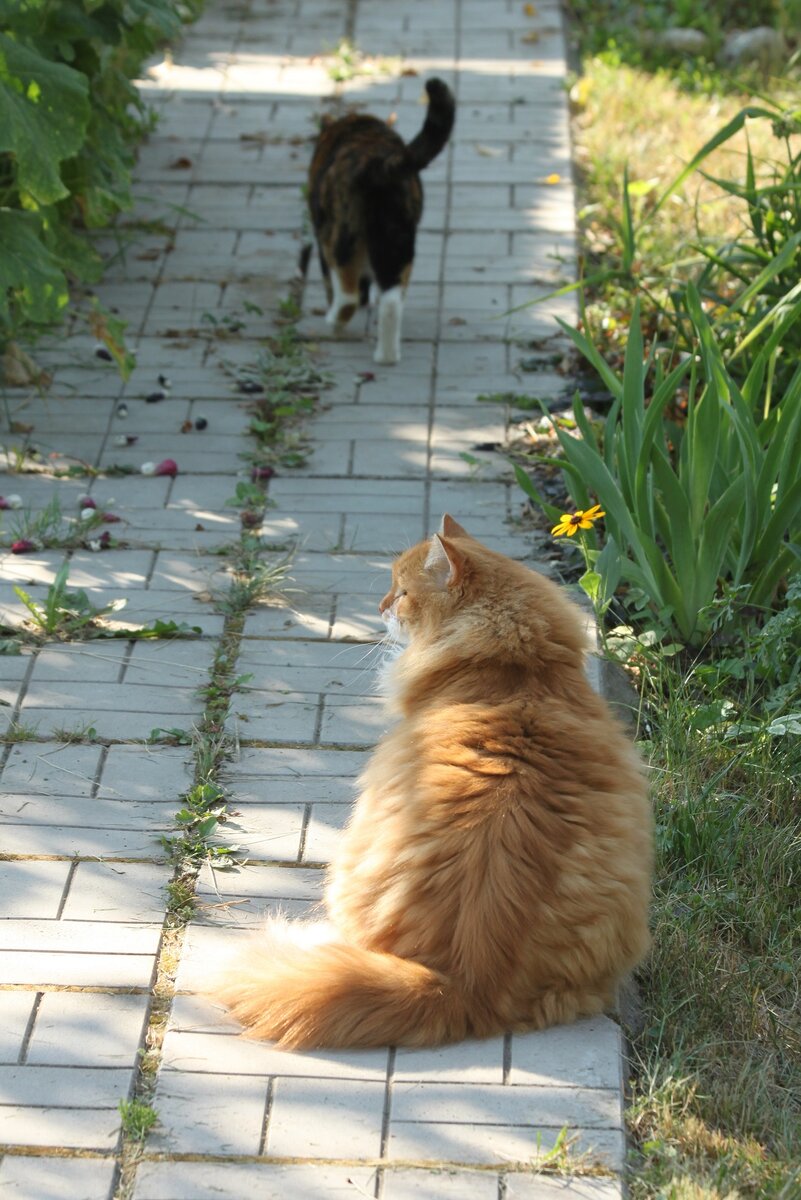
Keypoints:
pixel 168 467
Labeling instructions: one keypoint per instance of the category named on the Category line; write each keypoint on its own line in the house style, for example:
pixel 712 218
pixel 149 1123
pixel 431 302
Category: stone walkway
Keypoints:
pixel 86 797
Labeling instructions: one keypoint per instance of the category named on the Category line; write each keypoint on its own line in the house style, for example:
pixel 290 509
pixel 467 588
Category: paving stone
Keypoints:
pixel 79 827
pixel 94 662
pixel 266 832
pixel 119 892
pixel 322 1118
pixel 293 718
pixel 304 667
pixel 63 1087
pixel 26 1178
pixel 51 700
pixel 32 890
pixel 65 938
pixel 544 1187
pixel 146 773
pixel 232 1181
pixel 51 969
pixel 497 1104
pixel 323 831
pixel 202 1114
pixel 171 662
pixel 351 722
pixel 468 1062
pixel 70 1128
pixel 87 1030
pixel 588 1053
pixel 300 765
pixel 15 1014
pixel 443 1141
pixel 230 1053
pixel 439 1185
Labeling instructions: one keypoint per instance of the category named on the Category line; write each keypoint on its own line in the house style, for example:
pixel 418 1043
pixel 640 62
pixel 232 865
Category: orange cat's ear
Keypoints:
pixel 444 564
pixel 450 528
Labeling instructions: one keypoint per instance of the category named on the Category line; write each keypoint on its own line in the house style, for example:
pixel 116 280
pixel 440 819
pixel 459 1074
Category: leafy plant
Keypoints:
pixel 138 1118
pixel 688 504
pixel 63 613
pixel 69 118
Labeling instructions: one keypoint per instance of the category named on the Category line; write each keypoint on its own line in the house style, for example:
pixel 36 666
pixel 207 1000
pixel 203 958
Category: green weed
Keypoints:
pixel 137 1119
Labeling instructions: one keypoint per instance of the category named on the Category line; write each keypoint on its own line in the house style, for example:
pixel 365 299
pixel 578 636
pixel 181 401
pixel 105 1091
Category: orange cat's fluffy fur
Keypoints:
pixel 495 873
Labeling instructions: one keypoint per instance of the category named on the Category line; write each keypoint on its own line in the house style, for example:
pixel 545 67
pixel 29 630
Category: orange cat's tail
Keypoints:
pixel 437 127
pixel 334 995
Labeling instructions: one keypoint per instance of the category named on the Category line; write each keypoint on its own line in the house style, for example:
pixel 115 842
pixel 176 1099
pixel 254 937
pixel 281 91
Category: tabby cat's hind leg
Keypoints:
pixel 390 319
pixel 345 296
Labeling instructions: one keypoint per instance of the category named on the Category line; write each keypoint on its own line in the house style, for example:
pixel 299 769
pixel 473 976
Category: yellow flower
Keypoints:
pixel 570 522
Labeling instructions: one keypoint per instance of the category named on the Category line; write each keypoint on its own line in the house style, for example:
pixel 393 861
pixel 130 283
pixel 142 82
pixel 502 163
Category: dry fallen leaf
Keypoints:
pixel 488 151
pixel 530 37
pixel 530 10
pixel 19 369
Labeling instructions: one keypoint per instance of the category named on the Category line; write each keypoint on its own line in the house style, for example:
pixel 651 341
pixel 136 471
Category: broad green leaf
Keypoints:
pixel 590 584
pixel 29 275
pixel 44 111
pixel 723 135
pixel 593 356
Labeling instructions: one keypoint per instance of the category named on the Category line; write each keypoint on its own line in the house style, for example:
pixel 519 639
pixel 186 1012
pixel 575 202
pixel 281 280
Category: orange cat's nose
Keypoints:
pixel 386 602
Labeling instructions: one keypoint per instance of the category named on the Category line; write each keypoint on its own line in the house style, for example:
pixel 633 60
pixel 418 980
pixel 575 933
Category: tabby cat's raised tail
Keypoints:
pixel 437 126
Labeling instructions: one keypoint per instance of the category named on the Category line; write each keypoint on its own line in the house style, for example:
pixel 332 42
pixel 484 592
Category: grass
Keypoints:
pixel 137 1119
pixel 716 1105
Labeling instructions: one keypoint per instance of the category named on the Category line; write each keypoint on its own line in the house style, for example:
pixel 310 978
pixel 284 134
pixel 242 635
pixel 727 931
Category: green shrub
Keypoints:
pixel 690 506
pixel 69 120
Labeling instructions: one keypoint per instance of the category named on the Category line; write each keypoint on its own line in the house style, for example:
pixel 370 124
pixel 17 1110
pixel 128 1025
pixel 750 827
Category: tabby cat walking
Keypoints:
pixel 366 200
pixel 495 874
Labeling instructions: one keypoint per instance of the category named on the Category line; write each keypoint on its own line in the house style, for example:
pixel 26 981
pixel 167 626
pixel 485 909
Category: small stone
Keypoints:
pixel 12 501
pixel 154 397
pixel 249 387
pixel 165 382
pixel 761 45
pixel 148 468
pixel 201 423
pixel 102 352
pixel 122 411
pixel 87 513
pixel 125 439
pixel 681 40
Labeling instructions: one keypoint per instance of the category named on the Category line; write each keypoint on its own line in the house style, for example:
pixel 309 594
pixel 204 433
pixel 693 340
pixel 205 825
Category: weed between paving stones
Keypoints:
pixel 286 377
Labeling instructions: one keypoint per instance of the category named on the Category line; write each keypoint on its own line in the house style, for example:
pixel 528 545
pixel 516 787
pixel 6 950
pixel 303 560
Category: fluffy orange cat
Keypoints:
pixel 495 874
